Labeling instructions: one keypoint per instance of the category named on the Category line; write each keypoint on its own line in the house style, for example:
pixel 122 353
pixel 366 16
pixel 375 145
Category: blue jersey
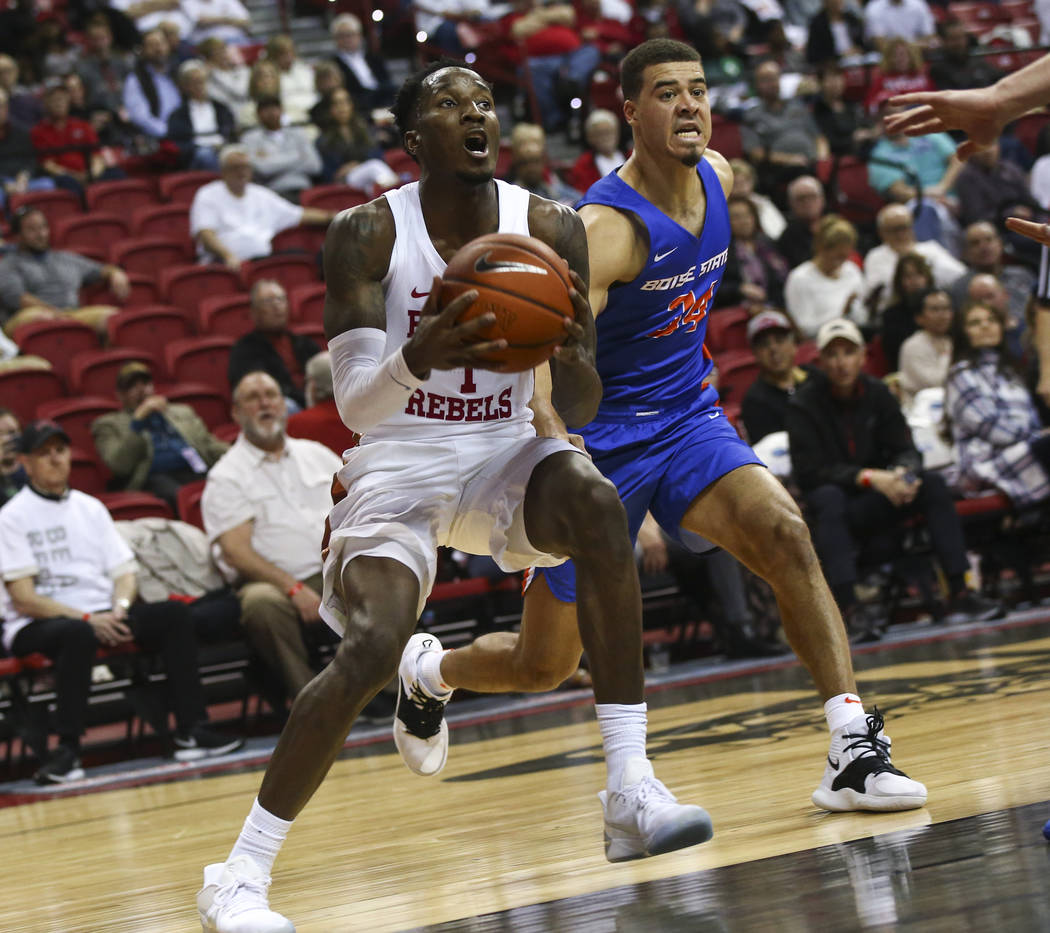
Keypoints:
pixel 651 334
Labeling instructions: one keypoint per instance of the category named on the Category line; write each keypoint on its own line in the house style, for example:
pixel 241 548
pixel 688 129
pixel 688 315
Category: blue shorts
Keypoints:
pixel 659 462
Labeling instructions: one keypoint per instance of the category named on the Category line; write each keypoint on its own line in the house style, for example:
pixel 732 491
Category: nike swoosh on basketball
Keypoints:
pixel 660 256
pixel 416 294
pixel 484 264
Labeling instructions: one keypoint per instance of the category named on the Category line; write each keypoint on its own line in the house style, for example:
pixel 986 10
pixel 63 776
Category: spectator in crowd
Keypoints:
pixel 755 272
pixel 228 20
pixel 897 233
pixel 765 405
pixel 18 163
pixel 234 220
pixel 841 121
pixel 103 69
pixel 806 207
pixel 912 278
pixel 152 443
pixel 834 33
pixel 601 132
pixel 560 62
pixel 987 290
pixel 199 126
pixel 67 602
pixel 904 19
pixel 150 15
pixel 771 220
pixel 926 355
pixel 955 67
pixel 284 158
pixel 270 347
pixel 68 148
pixel 319 420
pixel 829 285
pixel 611 25
pixel 327 79
pixel 24 106
pixel 263 81
pixel 854 460
pixel 529 166
pixel 1001 442
pixel 54 55
pixel 348 151
pixel 983 252
pixel 12 473
pixel 780 136
pixel 365 74
pixel 38 283
pixel 228 76
pixel 712 26
pixel 264 503
pixel 900 71
pixel 150 94
pixel 298 93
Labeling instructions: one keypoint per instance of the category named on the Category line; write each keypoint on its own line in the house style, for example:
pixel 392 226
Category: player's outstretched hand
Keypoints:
pixel 575 350
pixel 1030 228
pixel 441 343
pixel 974 112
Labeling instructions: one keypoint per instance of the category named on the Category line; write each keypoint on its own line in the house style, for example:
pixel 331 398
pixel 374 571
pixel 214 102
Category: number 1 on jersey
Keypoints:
pixel 468 386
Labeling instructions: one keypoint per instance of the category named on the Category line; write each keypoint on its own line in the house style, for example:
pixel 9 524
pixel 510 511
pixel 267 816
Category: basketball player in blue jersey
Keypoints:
pixel 657 232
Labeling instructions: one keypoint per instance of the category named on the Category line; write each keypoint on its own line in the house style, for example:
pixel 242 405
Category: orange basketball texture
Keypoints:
pixel 525 284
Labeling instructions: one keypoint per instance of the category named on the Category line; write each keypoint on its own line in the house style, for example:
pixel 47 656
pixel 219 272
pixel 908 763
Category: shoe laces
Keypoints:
pixel 870 743
pixel 425 712
pixel 648 791
pixel 229 899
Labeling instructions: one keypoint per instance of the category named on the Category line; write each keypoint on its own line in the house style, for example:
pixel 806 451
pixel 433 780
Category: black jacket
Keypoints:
pixel 820 47
pixel 366 99
pixel 254 351
pixel 831 441
pixel 180 128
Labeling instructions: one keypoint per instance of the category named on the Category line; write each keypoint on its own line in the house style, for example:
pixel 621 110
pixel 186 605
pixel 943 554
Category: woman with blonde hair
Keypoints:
pixel 902 70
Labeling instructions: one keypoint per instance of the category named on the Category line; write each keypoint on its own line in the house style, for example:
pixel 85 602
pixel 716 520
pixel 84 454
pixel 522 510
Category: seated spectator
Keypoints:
pixel 327 79
pixel 228 20
pixel 68 148
pixel 103 69
pixel 911 280
pixel 854 460
pixel 755 272
pixel 297 94
pixel 901 71
pixel 987 290
pixel 152 443
pixel 228 76
pixel 12 473
pixel 271 348
pixel 39 283
pixel 199 126
pixel 806 209
pixel 601 132
pixel 829 285
pixel 983 252
pixel 150 15
pixel 365 74
pixel 834 33
pixel 955 67
pixel 18 164
pixel 263 505
pixel 264 81
pixel 611 25
pixel 1001 441
pixel 765 405
pixel 841 121
pixel 150 94
pixel 905 19
pixel 24 106
pixel 319 420
pixel 234 220
pixel 712 26
pixel 529 165
pixel 897 231
pixel 347 149
pixel 284 158
pixel 771 221
pixel 926 355
pixel 68 602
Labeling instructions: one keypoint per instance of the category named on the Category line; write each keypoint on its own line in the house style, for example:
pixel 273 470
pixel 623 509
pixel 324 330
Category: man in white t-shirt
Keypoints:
pixel 233 220
pixel 71 582
pixel 149 14
pixel 264 506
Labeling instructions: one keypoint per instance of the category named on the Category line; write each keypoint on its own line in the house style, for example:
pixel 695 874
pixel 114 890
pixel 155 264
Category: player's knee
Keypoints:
pixel 786 541
pixel 369 653
pixel 548 675
pixel 596 521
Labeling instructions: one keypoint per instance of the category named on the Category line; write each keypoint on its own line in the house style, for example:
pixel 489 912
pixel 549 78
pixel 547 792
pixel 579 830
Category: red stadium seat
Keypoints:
pixel 165 220
pixel 121 196
pixel 725 135
pixel 149 327
pixel 144 291
pixel 95 372
pixel 211 404
pixel 188 503
pixel 182 186
pixel 858 202
pixel 290 269
pixel 1027 128
pixel 76 232
pixel 56 341
pixel 310 329
pixel 308 239
pixel 401 162
pixel 54 204
pixel 22 390
pixel 736 372
pixel 76 415
pixel 200 359
pixel 727 329
pixel 187 286
pixel 875 358
pixel 125 506
pixel 146 255
pixel 225 315
pixel 307 302
pixel 87 473
pixel 227 432
pixel 333 197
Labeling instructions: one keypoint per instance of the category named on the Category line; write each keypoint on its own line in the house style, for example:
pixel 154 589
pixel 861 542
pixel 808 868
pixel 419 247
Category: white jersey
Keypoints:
pixel 453 402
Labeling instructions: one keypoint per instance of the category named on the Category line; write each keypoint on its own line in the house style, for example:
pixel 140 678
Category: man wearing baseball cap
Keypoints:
pixel 764 409
pixel 854 460
pixel 71 589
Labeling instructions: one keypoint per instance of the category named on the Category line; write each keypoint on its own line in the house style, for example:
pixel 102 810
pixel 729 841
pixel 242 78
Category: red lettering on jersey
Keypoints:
pixel 504 403
pixel 469 387
pixel 474 409
pixel 456 409
pixel 435 406
pixel 414 314
pixel 415 404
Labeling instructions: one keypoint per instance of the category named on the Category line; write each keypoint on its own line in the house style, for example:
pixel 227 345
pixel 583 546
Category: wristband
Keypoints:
pixel 295 588
pixel 865 477
pixel 86 617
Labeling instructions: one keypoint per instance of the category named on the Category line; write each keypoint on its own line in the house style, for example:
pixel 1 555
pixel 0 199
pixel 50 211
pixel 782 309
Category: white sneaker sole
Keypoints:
pixel 408 747
pixel 690 829
pixel 848 801
pixel 77 774
pixel 197 753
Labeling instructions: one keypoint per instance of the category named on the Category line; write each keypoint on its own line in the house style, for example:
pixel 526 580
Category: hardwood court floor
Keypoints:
pixel 513 821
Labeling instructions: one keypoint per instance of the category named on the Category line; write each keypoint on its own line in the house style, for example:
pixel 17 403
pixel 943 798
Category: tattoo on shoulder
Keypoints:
pixel 561 228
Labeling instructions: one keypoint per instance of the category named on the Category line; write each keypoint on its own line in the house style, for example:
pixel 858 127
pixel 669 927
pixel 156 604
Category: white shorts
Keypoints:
pixel 405 498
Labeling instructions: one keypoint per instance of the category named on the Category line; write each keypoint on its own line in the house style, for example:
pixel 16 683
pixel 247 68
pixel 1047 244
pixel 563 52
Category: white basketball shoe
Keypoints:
pixel 859 775
pixel 420 730
pixel 644 818
pixel 234 899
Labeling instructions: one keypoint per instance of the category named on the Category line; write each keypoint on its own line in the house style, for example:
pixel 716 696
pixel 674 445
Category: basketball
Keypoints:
pixel 525 284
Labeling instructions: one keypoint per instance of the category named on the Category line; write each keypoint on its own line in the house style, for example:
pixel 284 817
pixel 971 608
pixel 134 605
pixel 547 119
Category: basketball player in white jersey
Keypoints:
pixel 450 456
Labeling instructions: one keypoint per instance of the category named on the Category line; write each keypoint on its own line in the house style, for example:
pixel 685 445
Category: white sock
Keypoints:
pixel 842 709
pixel 261 837
pixel 623 729
pixel 429 674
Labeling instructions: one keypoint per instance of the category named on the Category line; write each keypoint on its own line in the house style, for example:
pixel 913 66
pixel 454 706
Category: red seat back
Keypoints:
pixel 121 196
pixel 188 503
pixel 225 315
pixel 182 186
pixel 76 231
pixel 311 329
pixel 76 415
pixel 187 286
pixel 144 291
pixel 307 302
pixel 22 390
pixel 149 327
pixel 209 403
pixel 125 506
pixel 163 220
pixel 57 341
pixel 200 359
pixel 290 269
pixel 332 197
pixel 145 255
pixel 736 372
pixel 308 239
pixel 88 474
pixel 54 204
pixel 95 372
pixel 727 329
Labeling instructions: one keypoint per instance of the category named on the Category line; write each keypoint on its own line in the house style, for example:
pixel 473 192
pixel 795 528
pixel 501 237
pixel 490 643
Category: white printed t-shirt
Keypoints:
pixel 244 225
